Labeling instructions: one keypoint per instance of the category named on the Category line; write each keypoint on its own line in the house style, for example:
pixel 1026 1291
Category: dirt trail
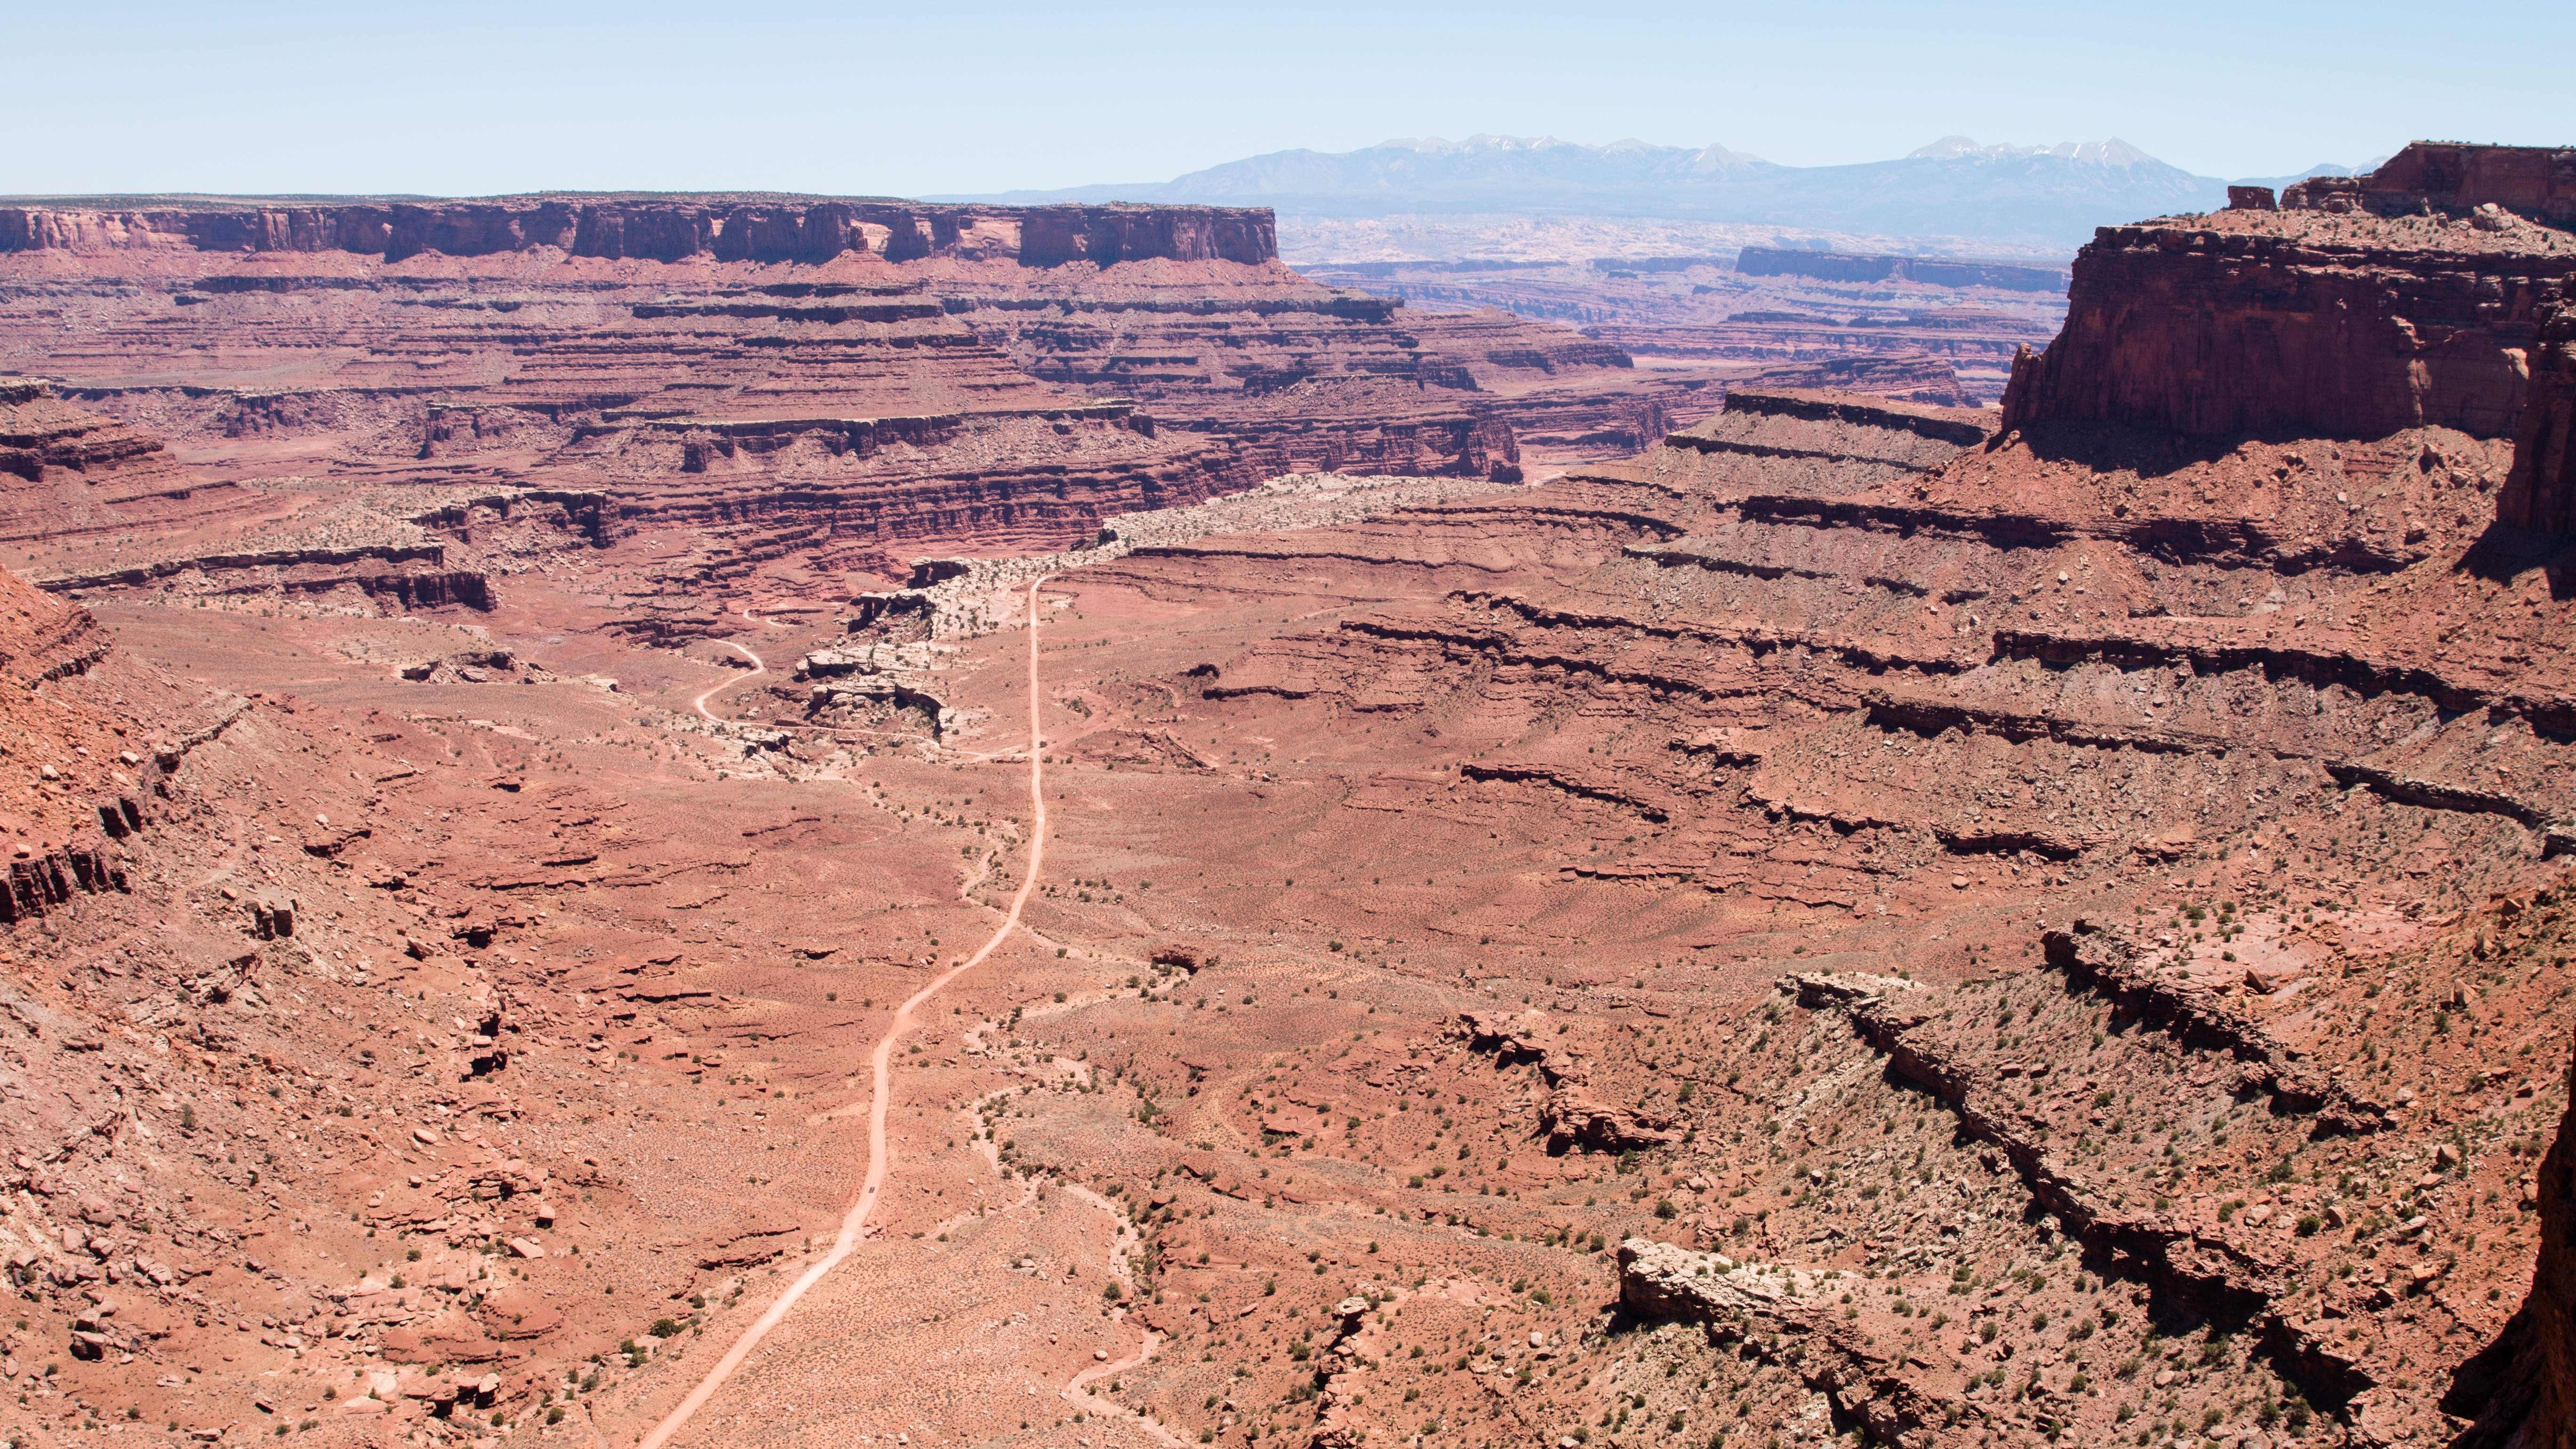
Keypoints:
pixel 1122 1244
pixel 854 1223
pixel 1079 1391
pixel 759 667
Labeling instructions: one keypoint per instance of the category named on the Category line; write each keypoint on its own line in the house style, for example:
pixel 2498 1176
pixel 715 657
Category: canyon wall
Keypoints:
pixel 2298 322
pixel 658 228
pixel 2211 653
pixel 2541 492
pixel 1003 380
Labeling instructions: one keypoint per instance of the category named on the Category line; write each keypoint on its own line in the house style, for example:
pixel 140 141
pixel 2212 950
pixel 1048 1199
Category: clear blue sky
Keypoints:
pixel 474 99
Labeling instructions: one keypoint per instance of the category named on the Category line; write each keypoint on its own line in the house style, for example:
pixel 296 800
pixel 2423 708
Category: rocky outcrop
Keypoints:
pixel 1520 1039
pixel 1977 342
pixel 1338 1389
pixel 1779 1314
pixel 2110 963
pixel 1916 377
pixel 1357 425
pixel 2297 322
pixel 1661 1281
pixel 661 228
pixel 376 572
pixel 1572 1117
pixel 2538 182
pixel 39 883
pixel 2540 493
pixel 1956 427
pixel 68 472
pixel 39 431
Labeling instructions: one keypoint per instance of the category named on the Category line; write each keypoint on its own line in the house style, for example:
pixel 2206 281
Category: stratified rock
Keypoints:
pixel 763 229
pixel 1521 1039
pixel 1858 267
pixel 1916 377
pixel 2296 321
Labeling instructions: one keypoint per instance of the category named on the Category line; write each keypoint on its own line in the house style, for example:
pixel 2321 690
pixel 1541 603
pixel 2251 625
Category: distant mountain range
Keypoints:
pixel 2020 196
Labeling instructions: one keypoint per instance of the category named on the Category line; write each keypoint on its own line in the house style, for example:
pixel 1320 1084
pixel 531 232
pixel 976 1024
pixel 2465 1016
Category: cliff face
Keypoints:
pixel 39 432
pixel 668 229
pixel 2521 1390
pixel 851 381
pixel 2551 1423
pixel 2302 322
pixel 1859 668
pixel 2541 492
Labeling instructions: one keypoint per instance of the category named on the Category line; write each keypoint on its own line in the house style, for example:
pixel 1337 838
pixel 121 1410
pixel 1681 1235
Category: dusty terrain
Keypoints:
pixel 1864 920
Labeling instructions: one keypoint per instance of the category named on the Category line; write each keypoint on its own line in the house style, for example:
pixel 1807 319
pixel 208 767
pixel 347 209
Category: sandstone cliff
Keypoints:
pixel 2298 322
pixel 659 228
pixel 2538 182
pixel 2541 492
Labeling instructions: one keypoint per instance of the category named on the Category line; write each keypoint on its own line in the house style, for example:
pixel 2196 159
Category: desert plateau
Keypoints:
pixel 750 819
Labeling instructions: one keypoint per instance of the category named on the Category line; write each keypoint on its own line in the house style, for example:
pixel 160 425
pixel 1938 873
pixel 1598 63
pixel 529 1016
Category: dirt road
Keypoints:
pixel 854 1223
pixel 758 668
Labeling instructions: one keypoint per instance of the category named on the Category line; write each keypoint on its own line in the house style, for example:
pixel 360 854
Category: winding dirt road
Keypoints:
pixel 854 1223
pixel 758 668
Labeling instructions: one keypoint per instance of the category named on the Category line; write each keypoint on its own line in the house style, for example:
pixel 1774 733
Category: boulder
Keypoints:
pixel 1659 1280
pixel 832 663
pixel 1834 988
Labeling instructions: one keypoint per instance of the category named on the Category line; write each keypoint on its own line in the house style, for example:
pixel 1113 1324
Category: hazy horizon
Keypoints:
pixel 299 99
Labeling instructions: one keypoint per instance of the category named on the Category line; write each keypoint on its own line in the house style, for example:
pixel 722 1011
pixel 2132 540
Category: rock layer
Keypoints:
pixel 2298 323
pixel 749 228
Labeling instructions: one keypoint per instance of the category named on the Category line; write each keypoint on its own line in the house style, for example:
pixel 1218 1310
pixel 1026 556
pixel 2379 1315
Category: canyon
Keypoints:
pixel 1078 837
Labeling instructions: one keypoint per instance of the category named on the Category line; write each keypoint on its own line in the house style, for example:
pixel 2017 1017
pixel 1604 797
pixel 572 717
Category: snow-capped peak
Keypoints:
pixel 2109 152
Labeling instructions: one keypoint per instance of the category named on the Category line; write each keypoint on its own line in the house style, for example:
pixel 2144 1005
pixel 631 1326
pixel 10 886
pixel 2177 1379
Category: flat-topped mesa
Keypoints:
pixel 1935 271
pixel 2302 321
pixel 1959 427
pixel 2538 182
pixel 1916 377
pixel 657 228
